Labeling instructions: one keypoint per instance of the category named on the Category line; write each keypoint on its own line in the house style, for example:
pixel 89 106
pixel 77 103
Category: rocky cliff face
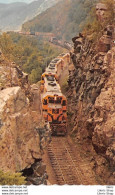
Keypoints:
pixel 19 140
pixel 23 135
pixel 92 100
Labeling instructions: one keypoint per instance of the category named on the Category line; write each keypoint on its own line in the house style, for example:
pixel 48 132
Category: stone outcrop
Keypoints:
pixel 23 133
pixel 20 126
pixel 19 139
pixel 101 11
pixel 10 74
pixel 38 174
pixel 91 97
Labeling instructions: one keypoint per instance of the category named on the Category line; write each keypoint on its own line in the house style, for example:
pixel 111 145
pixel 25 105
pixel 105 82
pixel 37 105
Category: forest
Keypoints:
pixel 29 53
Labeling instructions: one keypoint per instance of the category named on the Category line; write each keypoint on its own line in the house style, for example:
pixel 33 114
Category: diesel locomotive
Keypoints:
pixel 54 103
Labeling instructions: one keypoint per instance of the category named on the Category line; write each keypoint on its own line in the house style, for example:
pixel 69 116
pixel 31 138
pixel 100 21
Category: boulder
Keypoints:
pixel 19 140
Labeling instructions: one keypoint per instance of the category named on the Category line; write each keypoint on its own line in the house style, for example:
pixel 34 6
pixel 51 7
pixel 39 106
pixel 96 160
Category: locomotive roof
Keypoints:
pixel 48 73
pixel 55 60
pixel 53 94
pixel 51 86
pixel 50 70
pixel 63 55
pixel 53 63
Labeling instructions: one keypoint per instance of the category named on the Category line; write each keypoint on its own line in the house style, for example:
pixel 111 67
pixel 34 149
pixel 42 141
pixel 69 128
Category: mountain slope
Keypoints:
pixel 13 15
pixel 64 19
pixel 12 1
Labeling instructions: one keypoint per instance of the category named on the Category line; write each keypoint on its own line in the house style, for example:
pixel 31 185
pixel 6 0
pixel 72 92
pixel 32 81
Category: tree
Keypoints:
pixel 11 178
pixel 35 75
pixel 30 54
pixel 7 46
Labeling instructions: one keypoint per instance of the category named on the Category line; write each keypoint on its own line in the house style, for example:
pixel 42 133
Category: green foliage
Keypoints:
pixel 30 54
pixel 6 45
pixel 35 75
pixel 11 178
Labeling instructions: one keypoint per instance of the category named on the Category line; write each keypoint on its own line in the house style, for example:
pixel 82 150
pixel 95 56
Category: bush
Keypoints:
pixel 11 178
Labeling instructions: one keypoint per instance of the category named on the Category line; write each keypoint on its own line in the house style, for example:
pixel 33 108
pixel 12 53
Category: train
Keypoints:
pixel 54 103
pixel 50 37
pixel 61 43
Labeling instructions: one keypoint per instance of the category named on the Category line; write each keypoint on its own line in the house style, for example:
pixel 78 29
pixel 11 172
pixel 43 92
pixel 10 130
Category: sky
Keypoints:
pixel 12 1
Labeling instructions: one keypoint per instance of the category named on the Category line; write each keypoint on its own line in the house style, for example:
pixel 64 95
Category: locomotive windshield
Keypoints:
pixel 58 101
pixel 45 102
pixel 54 100
pixel 51 101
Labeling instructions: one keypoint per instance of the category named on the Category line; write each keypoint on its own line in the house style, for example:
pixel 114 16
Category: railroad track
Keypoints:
pixel 68 168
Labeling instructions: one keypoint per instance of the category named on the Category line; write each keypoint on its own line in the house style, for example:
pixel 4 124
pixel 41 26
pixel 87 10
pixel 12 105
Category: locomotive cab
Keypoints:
pixel 54 111
pixel 50 77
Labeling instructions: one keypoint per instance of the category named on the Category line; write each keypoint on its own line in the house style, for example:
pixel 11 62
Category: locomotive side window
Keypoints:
pixel 44 110
pixel 64 103
pixel 45 102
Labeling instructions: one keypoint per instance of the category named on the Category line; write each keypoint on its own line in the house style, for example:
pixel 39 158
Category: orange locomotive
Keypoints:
pixel 51 76
pixel 54 108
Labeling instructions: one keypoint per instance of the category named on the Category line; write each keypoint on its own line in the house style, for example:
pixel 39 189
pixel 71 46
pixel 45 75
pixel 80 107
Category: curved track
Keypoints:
pixel 67 165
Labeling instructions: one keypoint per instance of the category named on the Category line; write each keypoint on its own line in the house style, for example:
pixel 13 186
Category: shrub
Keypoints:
pixel 11 178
